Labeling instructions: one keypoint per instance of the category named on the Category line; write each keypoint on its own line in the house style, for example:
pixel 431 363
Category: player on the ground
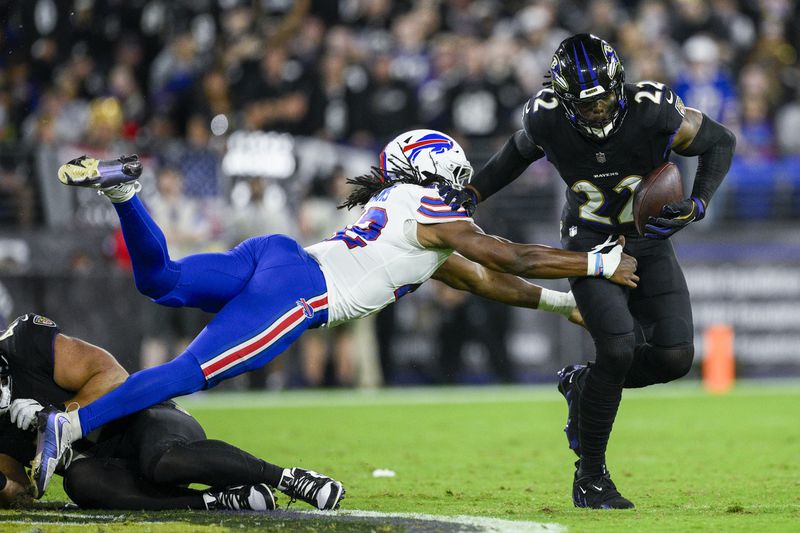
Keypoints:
pixel 143 461
pixel 268 290
pixel 603 135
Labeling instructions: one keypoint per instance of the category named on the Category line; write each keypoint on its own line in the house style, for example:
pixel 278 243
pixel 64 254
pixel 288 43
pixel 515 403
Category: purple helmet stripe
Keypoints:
pixel 578 65
pixel 589 64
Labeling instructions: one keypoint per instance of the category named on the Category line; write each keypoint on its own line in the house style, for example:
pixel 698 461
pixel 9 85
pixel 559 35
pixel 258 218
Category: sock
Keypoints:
pixel 213 463
pixel 154 272
pixel 121 192
pixel 144 389
pixel 599 403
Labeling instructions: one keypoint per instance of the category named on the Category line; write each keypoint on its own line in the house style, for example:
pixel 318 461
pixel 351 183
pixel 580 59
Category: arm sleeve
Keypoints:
pixel 714 145
pixel 506 165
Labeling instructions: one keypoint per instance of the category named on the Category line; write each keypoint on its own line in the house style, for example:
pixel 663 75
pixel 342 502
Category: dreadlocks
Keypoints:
pixel 368 185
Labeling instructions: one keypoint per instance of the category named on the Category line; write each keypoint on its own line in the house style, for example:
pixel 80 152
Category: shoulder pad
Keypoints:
pixel 536 109
pixel 658 105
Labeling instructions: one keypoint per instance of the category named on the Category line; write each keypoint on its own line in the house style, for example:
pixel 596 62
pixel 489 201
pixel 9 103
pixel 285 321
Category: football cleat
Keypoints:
pixel 54 440
pixel 242 498
pixel 597 492
pixel 570 384
pixel 86 171
pixel 315 489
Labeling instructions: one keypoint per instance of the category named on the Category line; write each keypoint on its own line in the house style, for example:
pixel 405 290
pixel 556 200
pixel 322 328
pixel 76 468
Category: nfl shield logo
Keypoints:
pixel 601 157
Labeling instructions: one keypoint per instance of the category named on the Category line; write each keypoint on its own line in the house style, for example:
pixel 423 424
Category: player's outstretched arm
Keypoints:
pixel 714 145
pixel 528 260
pixel 86 369
pixel 463 274
pixel 502 168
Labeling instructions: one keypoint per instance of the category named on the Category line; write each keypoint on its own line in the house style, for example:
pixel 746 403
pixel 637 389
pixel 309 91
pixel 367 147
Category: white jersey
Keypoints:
pixel 375 261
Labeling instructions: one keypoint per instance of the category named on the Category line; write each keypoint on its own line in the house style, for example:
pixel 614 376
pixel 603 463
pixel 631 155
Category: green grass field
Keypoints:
pixel 689 461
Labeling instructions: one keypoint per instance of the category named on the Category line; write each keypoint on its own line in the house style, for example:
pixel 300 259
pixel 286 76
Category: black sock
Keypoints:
pixel 599 403
pixel 214 463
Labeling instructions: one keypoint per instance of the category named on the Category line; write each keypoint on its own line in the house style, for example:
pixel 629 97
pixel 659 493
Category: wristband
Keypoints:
pixel 594 264
pixel 557 302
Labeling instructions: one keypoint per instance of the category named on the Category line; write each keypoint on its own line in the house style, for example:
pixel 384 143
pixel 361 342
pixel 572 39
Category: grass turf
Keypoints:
pixel 690 461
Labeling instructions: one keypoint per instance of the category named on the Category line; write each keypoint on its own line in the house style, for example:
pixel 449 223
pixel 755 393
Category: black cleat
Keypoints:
pixel 86 171
pixel 242 498
pixel 570 384
pixel 597 492
pixel 322 492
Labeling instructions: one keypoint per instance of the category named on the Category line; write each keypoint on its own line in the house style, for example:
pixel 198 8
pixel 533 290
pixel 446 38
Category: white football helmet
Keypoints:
pixel 427 152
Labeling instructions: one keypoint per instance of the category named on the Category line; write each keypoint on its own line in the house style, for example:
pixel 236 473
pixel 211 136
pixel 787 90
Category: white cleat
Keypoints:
pixel 55 439
pixel 317 490
pixel 242 498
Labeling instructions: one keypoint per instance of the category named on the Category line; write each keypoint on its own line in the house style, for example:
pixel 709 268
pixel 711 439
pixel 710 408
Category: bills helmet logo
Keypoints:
pixel 435 142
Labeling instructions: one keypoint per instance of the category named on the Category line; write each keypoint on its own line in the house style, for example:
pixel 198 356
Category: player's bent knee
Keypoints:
pixel 159 467
pixel 156 286
pixel 615 355
pixel 674 363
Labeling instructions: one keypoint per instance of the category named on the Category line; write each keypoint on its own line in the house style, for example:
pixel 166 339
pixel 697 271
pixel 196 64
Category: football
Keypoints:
pixel 662 186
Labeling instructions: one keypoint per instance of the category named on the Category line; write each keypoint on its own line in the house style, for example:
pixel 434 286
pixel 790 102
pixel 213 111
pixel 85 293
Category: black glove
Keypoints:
pixel 674 217
pixel 458 198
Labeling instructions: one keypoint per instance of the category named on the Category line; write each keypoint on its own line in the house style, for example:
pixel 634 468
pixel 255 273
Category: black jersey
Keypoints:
pixel 601 175
pixel 27 344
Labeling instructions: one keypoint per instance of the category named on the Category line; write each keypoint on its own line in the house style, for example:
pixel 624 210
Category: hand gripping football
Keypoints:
pixel 662 186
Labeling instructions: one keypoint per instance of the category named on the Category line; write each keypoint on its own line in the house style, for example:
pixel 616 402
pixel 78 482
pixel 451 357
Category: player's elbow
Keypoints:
pixel 727 139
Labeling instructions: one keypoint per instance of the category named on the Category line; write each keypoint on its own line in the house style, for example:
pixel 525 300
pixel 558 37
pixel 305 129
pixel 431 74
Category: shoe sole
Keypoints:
pixel 99 173
pixel 274 501
pixel 80 176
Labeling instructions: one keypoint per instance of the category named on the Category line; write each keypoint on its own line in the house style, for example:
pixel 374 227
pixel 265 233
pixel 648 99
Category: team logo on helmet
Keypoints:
pixel 435 142
pixel 555 71
pixel 40 320
pixel 611 59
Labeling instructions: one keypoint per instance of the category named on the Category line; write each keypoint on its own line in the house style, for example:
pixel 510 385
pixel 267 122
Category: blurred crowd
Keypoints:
pixel 175 80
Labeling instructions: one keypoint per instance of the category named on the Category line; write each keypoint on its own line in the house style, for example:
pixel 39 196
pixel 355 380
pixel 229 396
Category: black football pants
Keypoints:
pixel 162 451
pixel 642 336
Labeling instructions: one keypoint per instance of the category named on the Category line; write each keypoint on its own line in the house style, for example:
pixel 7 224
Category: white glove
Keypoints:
pixel 23 412
pixel 604 264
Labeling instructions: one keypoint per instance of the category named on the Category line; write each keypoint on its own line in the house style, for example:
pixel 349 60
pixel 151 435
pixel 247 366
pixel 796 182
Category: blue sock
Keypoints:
pixel 154 272
pixel 144 389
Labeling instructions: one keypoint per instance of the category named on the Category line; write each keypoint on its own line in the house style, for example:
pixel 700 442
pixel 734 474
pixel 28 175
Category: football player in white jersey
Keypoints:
pixel 268 290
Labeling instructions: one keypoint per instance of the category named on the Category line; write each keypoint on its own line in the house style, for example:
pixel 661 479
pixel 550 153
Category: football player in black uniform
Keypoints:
pixel 603 135
pixel 144 461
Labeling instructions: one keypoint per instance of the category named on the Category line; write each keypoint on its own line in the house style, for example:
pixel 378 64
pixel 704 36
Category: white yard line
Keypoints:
pixel 481 523
pixel 472 523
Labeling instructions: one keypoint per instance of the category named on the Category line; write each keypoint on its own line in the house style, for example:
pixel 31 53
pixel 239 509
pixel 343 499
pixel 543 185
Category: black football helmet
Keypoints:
pixel 588 79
